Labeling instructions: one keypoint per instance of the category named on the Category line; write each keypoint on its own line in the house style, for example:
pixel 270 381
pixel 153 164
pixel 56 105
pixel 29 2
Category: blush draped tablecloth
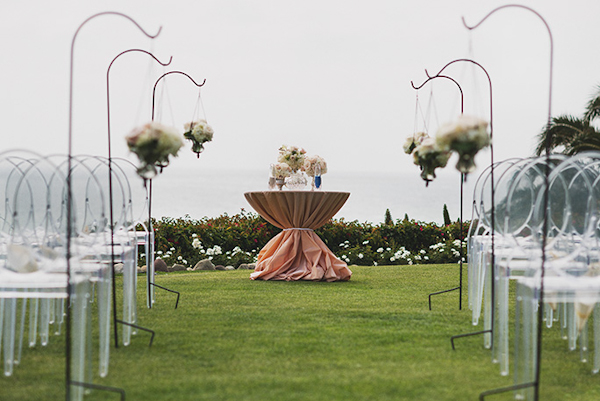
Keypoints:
pixel 297 253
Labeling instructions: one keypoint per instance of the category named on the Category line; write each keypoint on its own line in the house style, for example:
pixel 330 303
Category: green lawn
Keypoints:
pixel 372 338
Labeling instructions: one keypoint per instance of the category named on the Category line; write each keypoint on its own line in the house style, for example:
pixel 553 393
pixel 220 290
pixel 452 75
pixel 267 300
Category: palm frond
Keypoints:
pixel 588 140
pixel 592 110
pixel 563 131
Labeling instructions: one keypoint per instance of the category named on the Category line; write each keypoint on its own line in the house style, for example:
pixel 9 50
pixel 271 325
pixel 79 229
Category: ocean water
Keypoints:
pixel 179 192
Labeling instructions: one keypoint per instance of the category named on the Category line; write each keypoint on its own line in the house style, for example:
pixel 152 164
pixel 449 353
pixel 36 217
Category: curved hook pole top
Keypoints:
pixel 108 84
pixel 489 82
pixel 430 78
pixel 471 27
pixel 71 66
pixel 164 75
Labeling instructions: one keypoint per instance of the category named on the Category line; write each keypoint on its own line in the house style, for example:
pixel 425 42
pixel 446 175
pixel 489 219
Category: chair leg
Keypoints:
pixel 79 348
pixel 9 326
pixel 33 321
pixel 596 334
pixel 104 319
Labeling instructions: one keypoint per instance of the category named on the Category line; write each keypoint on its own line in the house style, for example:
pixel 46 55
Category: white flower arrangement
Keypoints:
pixel 314 163
pixel 293 156
pixel 153 143
pixel 198 132
pixel 467 135
pixel 429 157
pixel 413 141
pixel 281 170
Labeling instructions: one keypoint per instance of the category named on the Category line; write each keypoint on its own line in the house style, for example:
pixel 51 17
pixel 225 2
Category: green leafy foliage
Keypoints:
pixel 226 240
pixel 232 240
pixel 571 134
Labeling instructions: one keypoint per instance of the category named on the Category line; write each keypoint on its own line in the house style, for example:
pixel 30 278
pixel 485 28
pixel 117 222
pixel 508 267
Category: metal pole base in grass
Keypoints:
pixel 468 335
pixel 450 290
pixel 99 387
pixel 460 274
pixel 166 289
pixel 516 387
pixel 140 328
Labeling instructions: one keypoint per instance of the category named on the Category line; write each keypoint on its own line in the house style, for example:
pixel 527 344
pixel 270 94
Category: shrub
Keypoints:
pixel 232 240
pixel 226 240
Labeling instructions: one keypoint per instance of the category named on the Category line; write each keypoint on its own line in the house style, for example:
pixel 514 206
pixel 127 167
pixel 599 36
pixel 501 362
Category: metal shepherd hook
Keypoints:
pixel 150 261
pixel 110 187
pixel 462 102
pixel 69 201
pixel 536 383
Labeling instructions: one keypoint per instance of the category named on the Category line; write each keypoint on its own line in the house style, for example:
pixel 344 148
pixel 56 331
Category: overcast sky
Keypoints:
pixel 332 76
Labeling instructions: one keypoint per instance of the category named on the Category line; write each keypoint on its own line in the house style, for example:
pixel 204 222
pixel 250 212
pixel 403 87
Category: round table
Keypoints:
pixel 297 253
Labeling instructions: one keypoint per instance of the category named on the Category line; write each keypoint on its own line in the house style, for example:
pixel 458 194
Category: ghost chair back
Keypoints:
pixel 564 269
pixel 124 239
pixel 38 245
pixel 502 243
pixel 480 232
pixel 26 271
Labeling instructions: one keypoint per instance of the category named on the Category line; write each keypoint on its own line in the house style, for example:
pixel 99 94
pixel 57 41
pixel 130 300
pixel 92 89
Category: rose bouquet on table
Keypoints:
pixel 198 132
pixel 280 171
pixel 293 156
pixel 153 144
pixel 466 136
pixel 315 166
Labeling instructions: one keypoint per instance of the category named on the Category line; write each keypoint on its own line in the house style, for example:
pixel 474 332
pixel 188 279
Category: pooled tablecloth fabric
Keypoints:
pixel 297 253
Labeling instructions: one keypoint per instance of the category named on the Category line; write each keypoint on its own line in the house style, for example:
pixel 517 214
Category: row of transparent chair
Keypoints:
pixel 519 217
pixel 571 270
pixel 33 237
pixel 34 246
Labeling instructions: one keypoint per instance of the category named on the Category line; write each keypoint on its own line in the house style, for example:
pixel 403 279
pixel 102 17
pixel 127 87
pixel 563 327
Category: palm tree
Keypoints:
pixel 573 134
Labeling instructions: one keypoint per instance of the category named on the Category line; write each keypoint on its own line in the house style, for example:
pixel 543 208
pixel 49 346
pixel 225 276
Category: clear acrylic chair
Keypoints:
pixel 567 274
pixel 34 267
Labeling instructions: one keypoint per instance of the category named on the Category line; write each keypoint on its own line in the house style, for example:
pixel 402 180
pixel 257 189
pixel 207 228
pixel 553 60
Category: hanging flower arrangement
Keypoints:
pixel 466 136
pixel 199 132
pixel 413 141
pixel 153 143
pixel 429 157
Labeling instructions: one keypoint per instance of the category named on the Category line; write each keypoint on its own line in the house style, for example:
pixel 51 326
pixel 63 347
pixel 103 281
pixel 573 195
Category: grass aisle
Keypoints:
pixel 372 338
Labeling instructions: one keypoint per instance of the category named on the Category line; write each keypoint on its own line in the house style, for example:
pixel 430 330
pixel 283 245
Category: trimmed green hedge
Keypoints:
pixel 232 240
